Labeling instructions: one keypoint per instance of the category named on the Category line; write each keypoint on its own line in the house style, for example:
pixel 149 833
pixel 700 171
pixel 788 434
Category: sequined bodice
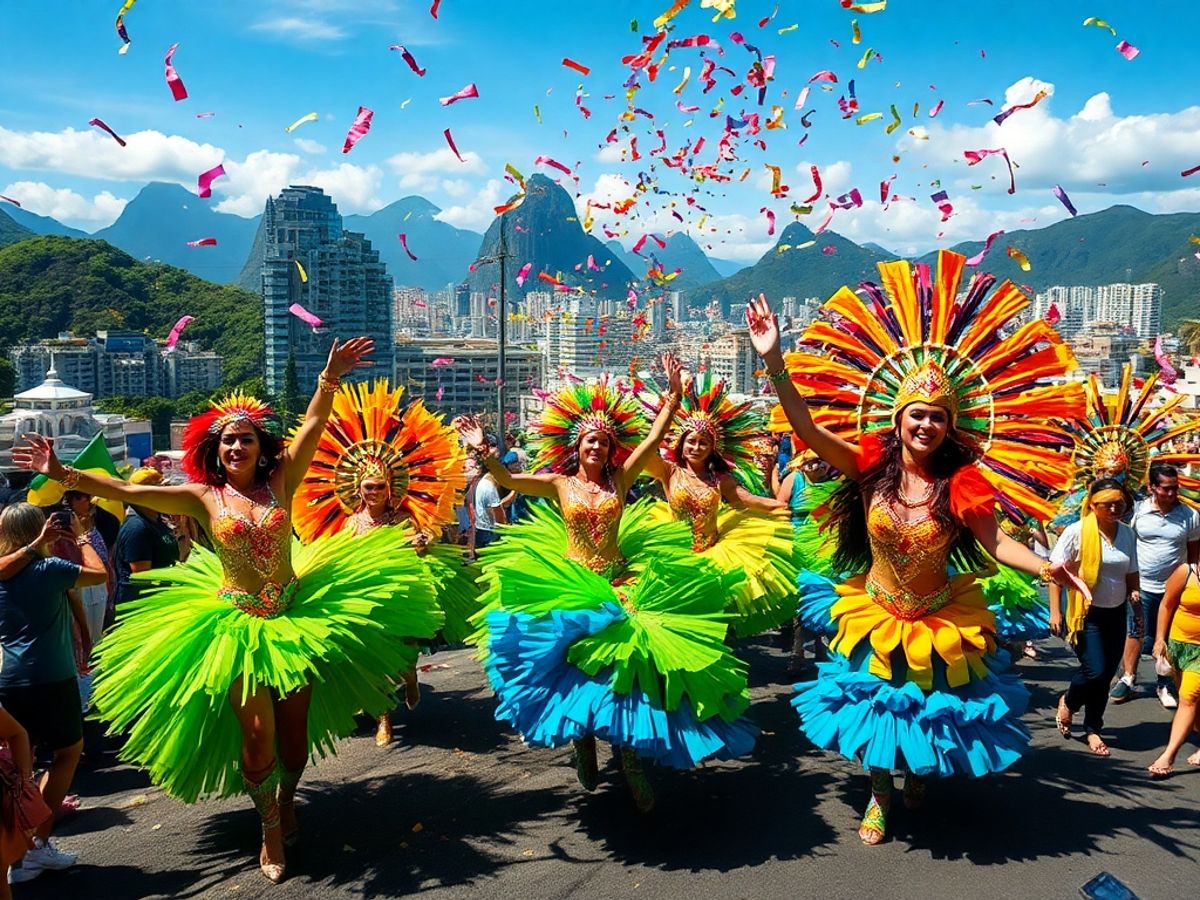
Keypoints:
pixel 593 519
pixel 251 548
pixel 695 502
pixel 907 555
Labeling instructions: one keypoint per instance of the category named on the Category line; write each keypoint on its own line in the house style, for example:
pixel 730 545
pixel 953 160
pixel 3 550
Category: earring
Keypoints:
pixel 262 462
pixel 220 465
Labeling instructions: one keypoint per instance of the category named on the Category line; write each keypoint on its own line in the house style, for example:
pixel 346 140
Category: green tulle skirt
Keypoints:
pixel 164 672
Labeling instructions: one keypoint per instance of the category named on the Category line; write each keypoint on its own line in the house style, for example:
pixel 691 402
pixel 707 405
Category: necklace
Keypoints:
pixel 270 493
pixel 923 500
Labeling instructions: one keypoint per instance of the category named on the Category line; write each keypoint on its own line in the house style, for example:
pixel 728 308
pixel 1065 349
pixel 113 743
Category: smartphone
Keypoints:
pixel 1105 887
pixel 61 520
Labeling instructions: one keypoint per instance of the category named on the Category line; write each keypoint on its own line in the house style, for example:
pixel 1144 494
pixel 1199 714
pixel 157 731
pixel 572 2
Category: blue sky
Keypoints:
pixel 260 66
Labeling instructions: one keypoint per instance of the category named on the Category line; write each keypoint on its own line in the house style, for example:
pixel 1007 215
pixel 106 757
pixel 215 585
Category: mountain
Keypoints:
pixel 545 231
pixel 726 267
pixel 882 251
pixel 41 224
pixel 11 231
pixel 443 252
pixel 51 283
pixel 1120 243
pixel 681 252
pixel 632 261
pixel 807 272
pixel 162 218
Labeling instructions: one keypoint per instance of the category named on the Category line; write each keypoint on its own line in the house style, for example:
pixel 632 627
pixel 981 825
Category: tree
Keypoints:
pixel 1189 336
pixel 291 400
pixel 8 379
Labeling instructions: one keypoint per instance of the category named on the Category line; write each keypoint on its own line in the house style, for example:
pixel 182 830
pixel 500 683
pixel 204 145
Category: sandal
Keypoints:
pixel 1099 748
pixel 1158 772
pixel 1062 718
pixel 873 827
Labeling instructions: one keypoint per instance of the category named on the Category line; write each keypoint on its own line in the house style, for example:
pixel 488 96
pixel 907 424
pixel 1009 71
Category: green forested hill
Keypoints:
pixel 52 284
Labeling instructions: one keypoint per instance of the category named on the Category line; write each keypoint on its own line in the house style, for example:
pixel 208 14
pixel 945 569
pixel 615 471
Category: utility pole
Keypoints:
pixel 501 341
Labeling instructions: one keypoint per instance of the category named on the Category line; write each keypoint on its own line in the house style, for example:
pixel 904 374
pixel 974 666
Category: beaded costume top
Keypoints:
pixel 593 520
pixel 908 555
pixel 695 502
pixel 251 550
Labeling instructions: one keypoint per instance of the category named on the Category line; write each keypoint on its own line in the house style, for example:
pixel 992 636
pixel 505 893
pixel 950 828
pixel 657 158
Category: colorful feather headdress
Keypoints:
pixel 579 409
pixel 1121 440
pixel 913 339
pixel 235 407
pixel 369 434
pixel 736 429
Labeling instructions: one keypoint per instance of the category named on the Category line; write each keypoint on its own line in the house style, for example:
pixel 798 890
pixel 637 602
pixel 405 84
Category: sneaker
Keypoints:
pixel 19 874
pixel 1166 698
pixel 1122 690
pixel 46 855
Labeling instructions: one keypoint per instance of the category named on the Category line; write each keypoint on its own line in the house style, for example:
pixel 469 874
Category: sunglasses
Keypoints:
pixel 1111 504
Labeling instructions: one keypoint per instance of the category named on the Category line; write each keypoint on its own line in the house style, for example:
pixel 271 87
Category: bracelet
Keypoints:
pixel 70 477
pixel 327 384
pixel 778 377
pixel 83 539
pixel 674 398
pixel 31 551
pixel 1044 572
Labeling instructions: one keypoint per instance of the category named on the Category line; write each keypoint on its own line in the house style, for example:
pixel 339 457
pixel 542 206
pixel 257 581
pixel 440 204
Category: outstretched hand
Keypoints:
pixel 37 455
pixel 471 431
pixel 346 357
pixel 673 369
pixel 764 326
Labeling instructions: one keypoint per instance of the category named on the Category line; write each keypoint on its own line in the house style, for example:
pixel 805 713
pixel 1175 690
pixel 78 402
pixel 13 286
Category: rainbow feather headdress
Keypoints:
pixel 581 408
pixel 736 429
pixel 913 339
pixel 370 433
pixel 1122 439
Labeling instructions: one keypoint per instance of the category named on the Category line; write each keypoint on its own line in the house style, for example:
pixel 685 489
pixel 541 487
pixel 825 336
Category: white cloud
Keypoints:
pixel 477 215
pixel 299 28
pixel 424 171
pixel 355 189
pixel 65 205
pixel 309 146
pixel 836 178
pixel 456 187
pixel 147 156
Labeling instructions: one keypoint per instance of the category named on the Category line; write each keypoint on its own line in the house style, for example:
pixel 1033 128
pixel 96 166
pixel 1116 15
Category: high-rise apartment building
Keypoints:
pixel 588 338
pixel 467 384
pixel 1136 306
pixel 335 274
pixel 731 356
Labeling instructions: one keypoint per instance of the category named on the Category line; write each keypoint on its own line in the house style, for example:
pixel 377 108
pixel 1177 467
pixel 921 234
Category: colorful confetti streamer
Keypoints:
pixel 409 58
pixel 1099 23
pixel 1127 50
pixel 177 329
pixel 204 182
pixel 987 245
pixel 360 126
pixel 453 146
pixel 974 157
pixel 1021 259
pixel 305 316
pixel 203 242
pixel 120 26
pixel 578 67
pixel 404 244
pixel 1004 114
pixel 174 82
pixel 307 117
pixel 99 123
pixel 464 94
pixel 300 271
pixel 1066 201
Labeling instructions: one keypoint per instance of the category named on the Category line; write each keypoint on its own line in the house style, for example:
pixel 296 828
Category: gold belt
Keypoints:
pixel 271 600
pixel 904 604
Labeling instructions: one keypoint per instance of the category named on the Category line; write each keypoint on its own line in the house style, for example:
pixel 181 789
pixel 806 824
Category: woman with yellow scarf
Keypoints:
pixel 1106 551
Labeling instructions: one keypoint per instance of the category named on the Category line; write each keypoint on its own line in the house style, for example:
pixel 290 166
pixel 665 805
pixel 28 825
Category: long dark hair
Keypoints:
pixel 714 465
pixel 849 516
pixel 205 458
pixel 571 466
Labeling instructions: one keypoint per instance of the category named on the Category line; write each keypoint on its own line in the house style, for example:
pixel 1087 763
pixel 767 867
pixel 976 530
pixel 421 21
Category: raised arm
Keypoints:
pixel 536 485
pixel 1005 550
pixel 13 563
pixel 648 448
pixel 736 495
pixel 764 334
pixel 37 454
pixel 343 358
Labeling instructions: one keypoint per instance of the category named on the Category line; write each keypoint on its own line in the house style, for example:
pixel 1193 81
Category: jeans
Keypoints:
pixel 1150 603
pixel 1099 647
pixel 483 538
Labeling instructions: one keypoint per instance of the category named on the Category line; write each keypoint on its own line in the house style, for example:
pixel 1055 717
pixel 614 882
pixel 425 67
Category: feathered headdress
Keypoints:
pixel 736 429
pixel 1121 439
pixel 913 339
pixel 235 407
pixel 579 409
pixel 369 434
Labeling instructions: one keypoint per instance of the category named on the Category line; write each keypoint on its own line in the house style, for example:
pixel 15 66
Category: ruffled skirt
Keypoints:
pixel 635 657
pixel 164 672
pixel 1020 610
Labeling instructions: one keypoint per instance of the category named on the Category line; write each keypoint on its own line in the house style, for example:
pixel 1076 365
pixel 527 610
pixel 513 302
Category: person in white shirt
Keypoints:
pixel 1168 535
pixel 489 510
pixel 1107 553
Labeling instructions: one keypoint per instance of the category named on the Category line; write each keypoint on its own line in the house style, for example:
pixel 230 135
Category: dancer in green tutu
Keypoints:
pixel 241 664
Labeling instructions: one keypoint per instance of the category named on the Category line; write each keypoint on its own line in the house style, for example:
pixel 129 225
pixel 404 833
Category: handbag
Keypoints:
pixel 22 810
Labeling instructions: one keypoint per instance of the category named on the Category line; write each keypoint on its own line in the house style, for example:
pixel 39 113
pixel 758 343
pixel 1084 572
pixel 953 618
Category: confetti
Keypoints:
pixel 120 26
pixel 855 32
pixel 829 250
pixel 177 329
pixel 300 271
pixel 942 200
pixel 864 8
pixel 307 117
pixel 409 58
pixel 442 361
pixel 521 275
pixel 1127 50
pixel 885 188
pixel 205 180
pixel 553 163
pixel 816 177
pixel 304 315
pixel 1021 259
pixel 1192 171
pixel 974 157
pixel 203 242
pixel 1166 371
pixel 433 10
pixel 868 117
pixel 16 203
pixel 1099 23
pixel 1066 201
pixel 174 82
pixel 676 9
pixel 99 123
pixel 987 245
pixel 895 123
pixel 824 75
pixel 205 115
pixel 578 67
pixel 360 126
pixel 404 244
pixel 465 94
pixel 770 220
pixel 1004 114
pixel 862 63
pixel 850 199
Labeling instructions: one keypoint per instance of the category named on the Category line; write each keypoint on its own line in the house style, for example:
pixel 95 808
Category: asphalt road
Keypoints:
pixel 458 808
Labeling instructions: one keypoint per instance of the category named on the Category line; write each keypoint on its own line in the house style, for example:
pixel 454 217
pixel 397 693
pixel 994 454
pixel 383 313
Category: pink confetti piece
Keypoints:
pixel 174 82
pixel 942 200
pixel 829 250
pixel 974 157
pixel 578 67
pixel 1127 50
pixel 465 94
pixel 409 58
pixel 802 97
pixel 442 361
pixel 433 10
pixel 824 75
pixel 885 188
pixel 987 245
pixel 205 115
pixel 825 221
pixel 362 124
pixel 591 264
pixel 553 163
pixel 16 203
pixel 852 199
pixel 770 220
pixel 1192 171
pixel 203 242
pixel 816 176
pixel 1065 200
pixel 937 108
pixel 1166 371
pixel 305 316
pixel 523 274
pixel 177 329
pixel 679 105
pixel 1005 113
pixel 204 182
pixel 453 146
pixel 404 244
pixel 99 123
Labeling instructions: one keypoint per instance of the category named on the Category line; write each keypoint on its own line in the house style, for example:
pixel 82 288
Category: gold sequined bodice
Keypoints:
pixel 907 556
pixel 695 502
pixel 593 519
pixel 252 551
